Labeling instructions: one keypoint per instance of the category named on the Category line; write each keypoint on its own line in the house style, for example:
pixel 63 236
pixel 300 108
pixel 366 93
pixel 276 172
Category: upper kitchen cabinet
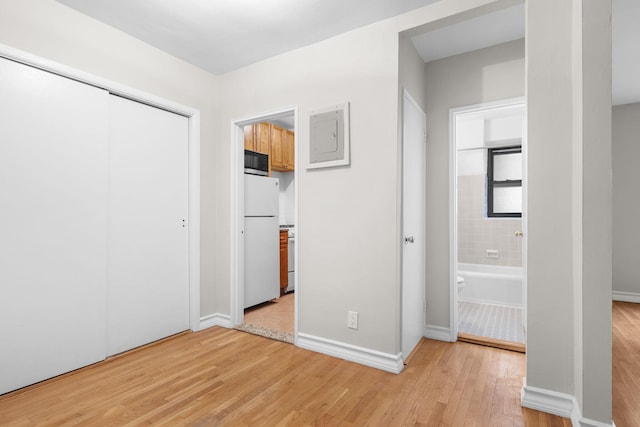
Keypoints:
pixel 273 140
pixel 281 149
pixel 256 137
pixel 248 138
pixel 289 144
pixel 262 137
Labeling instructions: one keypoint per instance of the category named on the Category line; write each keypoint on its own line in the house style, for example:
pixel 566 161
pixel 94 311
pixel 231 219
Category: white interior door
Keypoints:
pixel 413 220
pixel 525 208
pixel 148 276
pixel 53 224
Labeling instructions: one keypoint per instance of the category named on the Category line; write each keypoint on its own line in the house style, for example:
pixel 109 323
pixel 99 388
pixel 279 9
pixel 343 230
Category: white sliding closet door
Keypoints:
pixel 53 224
pixel 148 277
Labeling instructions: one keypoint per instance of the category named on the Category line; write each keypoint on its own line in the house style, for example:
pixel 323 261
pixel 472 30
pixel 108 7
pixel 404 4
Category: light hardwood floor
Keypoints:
pixel 221 377
pixel 626 364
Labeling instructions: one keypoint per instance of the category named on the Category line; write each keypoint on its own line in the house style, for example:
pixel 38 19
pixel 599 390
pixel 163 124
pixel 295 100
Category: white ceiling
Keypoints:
pixel 224 35
pixel 477 33
pixel 508 24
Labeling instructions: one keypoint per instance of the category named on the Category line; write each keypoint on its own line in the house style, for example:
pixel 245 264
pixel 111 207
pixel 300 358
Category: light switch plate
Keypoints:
pixel 352 319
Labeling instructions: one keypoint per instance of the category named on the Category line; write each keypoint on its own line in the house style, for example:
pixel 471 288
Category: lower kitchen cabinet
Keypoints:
pixel 284 260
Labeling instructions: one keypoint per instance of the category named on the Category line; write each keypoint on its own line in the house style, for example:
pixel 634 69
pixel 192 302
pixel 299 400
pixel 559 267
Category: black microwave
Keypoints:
pixel 256 163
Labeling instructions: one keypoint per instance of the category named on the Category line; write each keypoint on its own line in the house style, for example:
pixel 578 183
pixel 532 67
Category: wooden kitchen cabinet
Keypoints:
pixel 273 140
pixel 284 260
pixel 275 148
pixel 289 149
pixel 282 149
pixel 249 140
pixel 256 137
pixel 261 131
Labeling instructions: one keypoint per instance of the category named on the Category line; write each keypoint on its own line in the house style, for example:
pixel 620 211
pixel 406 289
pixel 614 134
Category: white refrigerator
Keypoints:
pixel 261 240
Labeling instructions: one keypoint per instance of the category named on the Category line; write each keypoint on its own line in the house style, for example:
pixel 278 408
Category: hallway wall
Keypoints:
pixel 626 206
pixel 489 74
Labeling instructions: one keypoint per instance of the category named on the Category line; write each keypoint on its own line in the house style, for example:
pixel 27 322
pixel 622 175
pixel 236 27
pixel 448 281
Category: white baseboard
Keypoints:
pixel 439 333
pixel 626 296
pixel 549 401
pixel 561 404
pixel 585 422
pixel 215 319
pixel 364 356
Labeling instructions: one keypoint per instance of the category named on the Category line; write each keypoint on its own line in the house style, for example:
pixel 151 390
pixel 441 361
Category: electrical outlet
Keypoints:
pixel 352 319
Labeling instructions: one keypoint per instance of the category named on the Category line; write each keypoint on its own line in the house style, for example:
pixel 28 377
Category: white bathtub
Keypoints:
pixel 491 284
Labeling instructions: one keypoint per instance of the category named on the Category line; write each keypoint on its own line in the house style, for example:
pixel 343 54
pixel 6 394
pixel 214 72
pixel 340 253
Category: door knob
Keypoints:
pixel 519 234
pixel 409 239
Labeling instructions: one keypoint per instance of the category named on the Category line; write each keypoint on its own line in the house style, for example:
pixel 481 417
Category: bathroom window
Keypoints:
pixel 504 182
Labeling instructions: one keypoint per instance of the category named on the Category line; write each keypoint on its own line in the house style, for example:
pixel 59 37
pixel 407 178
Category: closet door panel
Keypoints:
pixel 148 284
pixel 53 222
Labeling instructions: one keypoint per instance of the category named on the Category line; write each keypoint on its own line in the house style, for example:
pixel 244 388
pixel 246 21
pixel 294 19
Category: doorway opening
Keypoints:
pixel 488 194
pixel 264 218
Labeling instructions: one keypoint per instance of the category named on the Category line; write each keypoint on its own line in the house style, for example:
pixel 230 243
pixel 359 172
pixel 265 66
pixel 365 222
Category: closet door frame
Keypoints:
pixel 193 115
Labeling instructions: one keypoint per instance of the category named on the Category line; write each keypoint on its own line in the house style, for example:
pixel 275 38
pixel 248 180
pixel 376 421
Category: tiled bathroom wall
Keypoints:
pixel 478 235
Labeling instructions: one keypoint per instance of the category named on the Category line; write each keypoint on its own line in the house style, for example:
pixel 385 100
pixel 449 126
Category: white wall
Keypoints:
pixel 411 72
pixel 348 231
pixel 595 132
pixel 345 233
pixel 569 134
pixel 489 74
pixel 550 181
pixel 58 33
pixel 626 205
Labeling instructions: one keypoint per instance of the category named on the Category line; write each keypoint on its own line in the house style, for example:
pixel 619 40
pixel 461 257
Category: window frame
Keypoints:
pixel 491 183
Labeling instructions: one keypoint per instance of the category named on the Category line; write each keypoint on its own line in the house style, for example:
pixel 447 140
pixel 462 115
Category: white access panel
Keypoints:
pixel 261 260
pixel 53 224
pixel 261 196
pixel 148 276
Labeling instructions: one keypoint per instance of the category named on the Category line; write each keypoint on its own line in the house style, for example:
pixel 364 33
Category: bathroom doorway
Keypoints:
pixel 488 266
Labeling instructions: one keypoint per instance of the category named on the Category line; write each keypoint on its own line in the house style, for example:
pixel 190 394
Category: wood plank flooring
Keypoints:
pixel 492 342
pixel 626 364
pixel 223 377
